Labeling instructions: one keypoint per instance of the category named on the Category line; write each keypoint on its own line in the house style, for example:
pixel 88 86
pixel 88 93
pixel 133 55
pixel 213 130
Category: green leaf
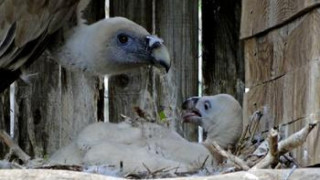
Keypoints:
pixel 162 116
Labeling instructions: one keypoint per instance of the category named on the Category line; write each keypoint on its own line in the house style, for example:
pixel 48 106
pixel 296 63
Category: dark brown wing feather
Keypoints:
pixel 25 29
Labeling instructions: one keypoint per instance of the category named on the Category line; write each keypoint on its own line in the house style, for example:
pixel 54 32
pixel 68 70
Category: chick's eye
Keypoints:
pixel 206 107
pixel 123 38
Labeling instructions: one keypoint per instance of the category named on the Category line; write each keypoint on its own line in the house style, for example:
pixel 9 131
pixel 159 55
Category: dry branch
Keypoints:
pixel 255 121
pixel 63 167
pixel 14 147
pixel 296 139
pixel 246 139
pixel 272 156
pixel 278 149
pixel 215 148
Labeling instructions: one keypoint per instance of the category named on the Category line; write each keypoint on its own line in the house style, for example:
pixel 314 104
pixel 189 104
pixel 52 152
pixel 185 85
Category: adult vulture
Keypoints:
pixel 109 46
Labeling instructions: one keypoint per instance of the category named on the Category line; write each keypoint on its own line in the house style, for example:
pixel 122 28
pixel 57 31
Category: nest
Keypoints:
pixel 250 152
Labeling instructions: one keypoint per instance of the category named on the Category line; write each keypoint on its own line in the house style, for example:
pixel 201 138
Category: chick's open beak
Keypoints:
pixel 190 114
pixel 159 52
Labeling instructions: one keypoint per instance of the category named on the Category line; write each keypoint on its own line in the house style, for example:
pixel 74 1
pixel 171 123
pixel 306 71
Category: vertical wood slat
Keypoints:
pixel 177 23
pixel 56 105
pixel 4 118
pixel 54 108
pixel 223 61
pixel 131 89
pixel 146 88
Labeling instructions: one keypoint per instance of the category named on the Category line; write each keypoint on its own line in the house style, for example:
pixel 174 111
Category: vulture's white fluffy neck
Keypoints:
pixel 77 51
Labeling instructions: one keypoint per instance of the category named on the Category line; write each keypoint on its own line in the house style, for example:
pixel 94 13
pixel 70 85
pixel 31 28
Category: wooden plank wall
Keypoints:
pixel 263 15
pixel 223 60
pixel 175 22
pixel 58 103
pixel 130 89
pixel 282 64
pixel 4 119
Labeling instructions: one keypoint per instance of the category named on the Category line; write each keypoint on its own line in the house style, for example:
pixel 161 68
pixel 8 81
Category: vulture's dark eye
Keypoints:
pixel 123 38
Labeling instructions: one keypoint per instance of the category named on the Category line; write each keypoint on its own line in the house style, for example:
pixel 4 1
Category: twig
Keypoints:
pixel 289 158
pixel 164 170
pixel 290 172
pixel 143 114
pixel 273 142
pixel 296 139
pixel 278 166
pixel 157 171
pixel 254 124
pixel 242 142
pixel 14 147
pixel 204 162
pixel 272 155
pixel 215 148
pixel 8 155
pixel 229 170
pixel 63 167
pixel 16 165
pixel 284 146
pixel 249 132
pixel 145 166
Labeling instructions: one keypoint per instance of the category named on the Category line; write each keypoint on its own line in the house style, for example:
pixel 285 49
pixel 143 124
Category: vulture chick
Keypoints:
pixel 107 47
pixel 153 145
pixel 220 116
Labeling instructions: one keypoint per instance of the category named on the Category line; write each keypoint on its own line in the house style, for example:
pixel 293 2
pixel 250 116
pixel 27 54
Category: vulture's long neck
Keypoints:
pixel 214 134
pixel 73 54
pixel 226 130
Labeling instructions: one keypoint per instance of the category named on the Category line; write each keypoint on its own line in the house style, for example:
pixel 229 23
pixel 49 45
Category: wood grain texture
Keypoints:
pixel 282 50
pixel 132 89
pixel 260 16
pixel 177 23
pixel 55 106
pixel 290 99
pixel 223 61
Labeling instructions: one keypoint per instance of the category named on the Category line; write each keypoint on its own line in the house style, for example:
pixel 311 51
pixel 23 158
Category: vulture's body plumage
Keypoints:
pixel 110 46
pixel 154 146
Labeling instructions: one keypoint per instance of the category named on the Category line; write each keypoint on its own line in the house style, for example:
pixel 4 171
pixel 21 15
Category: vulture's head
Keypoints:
pixel 117 45
pixel 220 116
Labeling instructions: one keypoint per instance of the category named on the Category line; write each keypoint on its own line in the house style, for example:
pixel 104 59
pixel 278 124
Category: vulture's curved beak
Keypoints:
pixel 159 52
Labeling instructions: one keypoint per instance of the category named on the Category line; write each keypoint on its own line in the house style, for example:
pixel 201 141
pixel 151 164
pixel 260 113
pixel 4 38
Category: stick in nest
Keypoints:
pixel 161 170
pixel 215 148
pixel 254 124
pixel 14 147
pixel 249 131
pixel 278 149
pixel 272 155
pixel 143 114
